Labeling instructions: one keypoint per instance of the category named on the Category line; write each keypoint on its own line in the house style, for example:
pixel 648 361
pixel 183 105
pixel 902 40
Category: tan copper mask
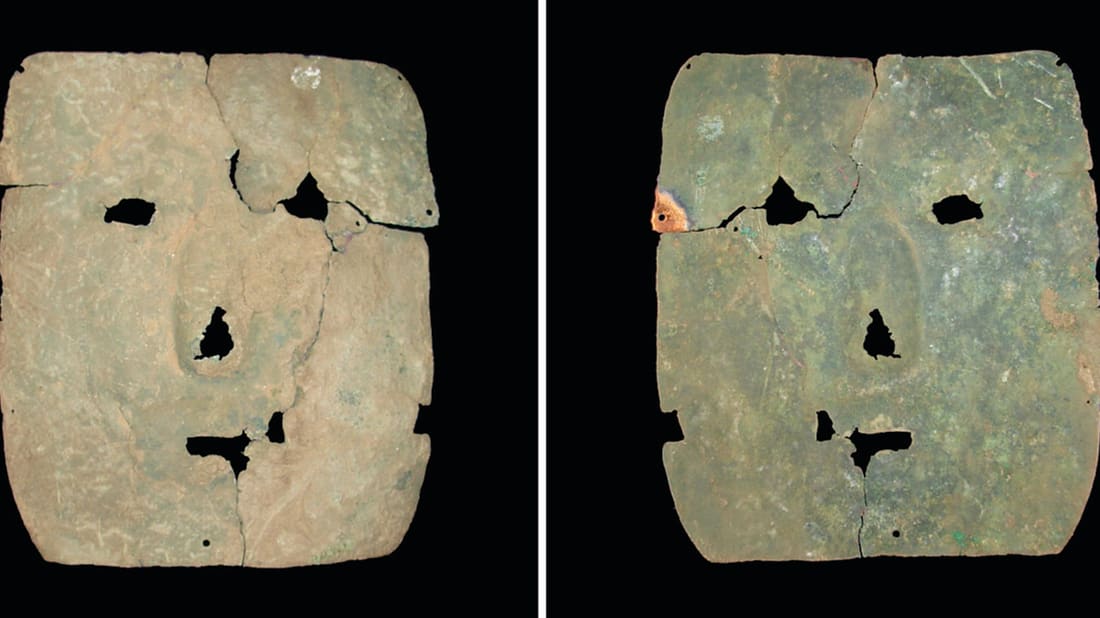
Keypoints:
pixel 155 318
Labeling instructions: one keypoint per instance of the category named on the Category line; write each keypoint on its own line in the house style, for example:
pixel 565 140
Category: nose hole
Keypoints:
pixel 879 341
pixel 216 340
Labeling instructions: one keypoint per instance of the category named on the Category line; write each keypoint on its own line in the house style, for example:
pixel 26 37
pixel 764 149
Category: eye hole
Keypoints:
pixel 131 211
pixel 956 208
pixel 782 207
pixel 308 202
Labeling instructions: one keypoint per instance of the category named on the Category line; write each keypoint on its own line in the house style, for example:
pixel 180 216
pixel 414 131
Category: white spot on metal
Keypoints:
pixel 306 77
pixel 710 127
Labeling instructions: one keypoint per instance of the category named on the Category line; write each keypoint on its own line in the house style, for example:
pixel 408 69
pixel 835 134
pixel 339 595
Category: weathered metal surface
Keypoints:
pixel 325 120
pixel 750 119
pixel 992 373
pixel 105 370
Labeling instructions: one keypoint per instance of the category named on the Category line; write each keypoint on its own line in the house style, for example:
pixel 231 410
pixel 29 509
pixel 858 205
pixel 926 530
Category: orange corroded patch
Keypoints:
pixel 1058 319
pixel 668 215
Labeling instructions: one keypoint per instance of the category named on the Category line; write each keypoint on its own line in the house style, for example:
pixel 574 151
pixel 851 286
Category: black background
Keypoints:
pixel 472 544
pixel 615 539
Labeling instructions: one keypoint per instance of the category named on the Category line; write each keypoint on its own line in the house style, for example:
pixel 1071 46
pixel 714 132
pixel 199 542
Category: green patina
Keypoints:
pixel 994 319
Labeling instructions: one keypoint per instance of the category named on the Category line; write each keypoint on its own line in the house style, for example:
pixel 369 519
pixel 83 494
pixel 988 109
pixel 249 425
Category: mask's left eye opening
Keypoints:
pixel 131 211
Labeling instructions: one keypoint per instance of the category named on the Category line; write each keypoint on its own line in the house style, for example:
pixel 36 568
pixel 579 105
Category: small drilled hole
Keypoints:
pixel 689 65
pixel 429 211
pixel 660 217
pixel 206 542
pixel 896 533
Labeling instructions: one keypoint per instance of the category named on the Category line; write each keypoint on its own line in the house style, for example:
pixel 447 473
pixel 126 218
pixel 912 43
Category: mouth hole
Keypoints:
pixel 275 429
pixel 825 429
pixel 230 449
